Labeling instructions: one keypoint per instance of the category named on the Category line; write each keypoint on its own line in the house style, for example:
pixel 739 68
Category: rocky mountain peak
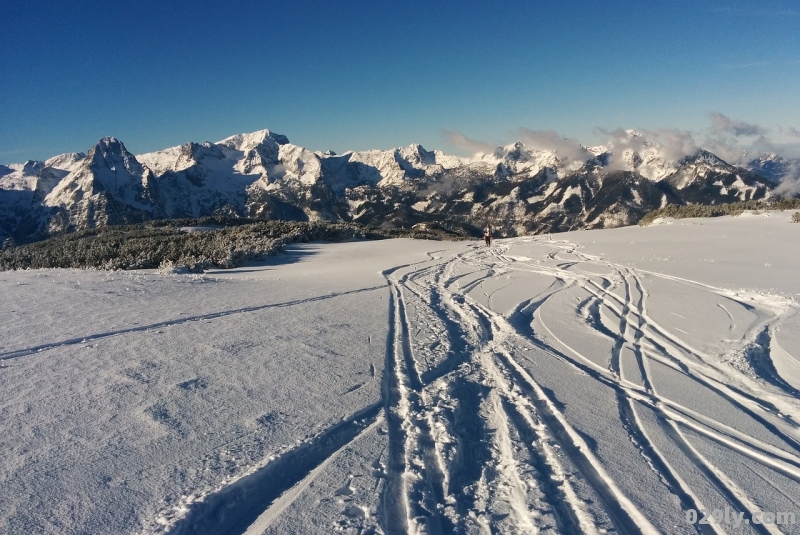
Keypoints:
pixel 705 157
pixel 32 167
pixel 246 142
pixel 110 154
pixel 416 155
pixel 522 187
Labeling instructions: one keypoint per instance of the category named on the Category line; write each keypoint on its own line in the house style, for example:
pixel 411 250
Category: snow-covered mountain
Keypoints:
pixel 774 167
pixel 109 186
pixel 42 176
pixel 632 151
pixel 704 176
pixel 23 188
pixel 517 159
pixel 518 188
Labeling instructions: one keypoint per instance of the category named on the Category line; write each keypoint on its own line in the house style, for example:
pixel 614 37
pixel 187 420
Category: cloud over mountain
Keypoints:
pixel 464 143
pixel 568 150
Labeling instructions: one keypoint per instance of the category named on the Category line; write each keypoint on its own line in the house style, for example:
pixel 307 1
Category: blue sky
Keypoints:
pixel 379 74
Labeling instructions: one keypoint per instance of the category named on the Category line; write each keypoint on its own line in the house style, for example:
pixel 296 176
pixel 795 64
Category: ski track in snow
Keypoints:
pixel 480 439
pixel 143 328
pixel 477 445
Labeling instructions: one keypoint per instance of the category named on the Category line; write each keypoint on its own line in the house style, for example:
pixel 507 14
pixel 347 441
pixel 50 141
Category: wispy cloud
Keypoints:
pixel 733 140
pixel 730 139
pixel 790 131
pixel 567 149
pixel 722 124
pixel 673 144
pixel 790 184
pixel 743 65
pixel 755 11
pixel 746 65
pixel 460 141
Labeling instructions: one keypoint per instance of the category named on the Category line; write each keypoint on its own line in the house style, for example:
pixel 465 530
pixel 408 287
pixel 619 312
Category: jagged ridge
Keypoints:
pixel 517 188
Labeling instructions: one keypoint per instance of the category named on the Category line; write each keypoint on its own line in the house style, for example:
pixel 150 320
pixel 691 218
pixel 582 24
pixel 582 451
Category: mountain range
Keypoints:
pixel 518 189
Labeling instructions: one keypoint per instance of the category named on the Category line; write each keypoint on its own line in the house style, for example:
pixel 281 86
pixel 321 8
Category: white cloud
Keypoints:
pixel 567 149
pixel 728 138
pixel 733 140
pixel 722 124
pixel 790 184
pixel 673 144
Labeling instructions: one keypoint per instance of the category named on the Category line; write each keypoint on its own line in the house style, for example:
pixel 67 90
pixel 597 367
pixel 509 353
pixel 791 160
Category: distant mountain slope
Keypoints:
pixel 517 188
pixel 23 188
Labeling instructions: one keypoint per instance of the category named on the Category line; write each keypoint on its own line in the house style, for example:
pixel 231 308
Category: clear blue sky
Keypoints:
pixel 379 74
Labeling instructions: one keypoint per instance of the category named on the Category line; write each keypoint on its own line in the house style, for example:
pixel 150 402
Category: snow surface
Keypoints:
pixel 589 382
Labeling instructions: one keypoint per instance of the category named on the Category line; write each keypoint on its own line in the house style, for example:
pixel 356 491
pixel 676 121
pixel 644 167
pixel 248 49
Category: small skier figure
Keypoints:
pixel 487 236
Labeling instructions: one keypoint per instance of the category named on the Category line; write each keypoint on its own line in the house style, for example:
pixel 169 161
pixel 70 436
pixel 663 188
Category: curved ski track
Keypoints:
pixel 478 445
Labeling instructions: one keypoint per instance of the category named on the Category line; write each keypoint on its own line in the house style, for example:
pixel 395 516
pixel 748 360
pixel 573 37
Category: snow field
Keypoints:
pixel 590 382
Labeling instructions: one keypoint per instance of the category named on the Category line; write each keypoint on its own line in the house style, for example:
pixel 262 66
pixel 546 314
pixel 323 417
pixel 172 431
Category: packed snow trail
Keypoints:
pixel 480 439
pixel 535 386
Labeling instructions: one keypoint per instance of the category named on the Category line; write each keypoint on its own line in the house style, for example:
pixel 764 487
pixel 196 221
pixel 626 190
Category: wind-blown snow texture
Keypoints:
pixel 590 382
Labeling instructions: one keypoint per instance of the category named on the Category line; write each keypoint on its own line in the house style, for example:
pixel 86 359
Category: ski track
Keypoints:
pixel 169 323
pixel 476 444
pixel 258 498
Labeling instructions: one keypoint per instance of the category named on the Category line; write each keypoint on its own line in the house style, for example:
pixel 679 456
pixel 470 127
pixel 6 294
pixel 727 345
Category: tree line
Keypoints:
pixel 193 245
pixel 682 211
